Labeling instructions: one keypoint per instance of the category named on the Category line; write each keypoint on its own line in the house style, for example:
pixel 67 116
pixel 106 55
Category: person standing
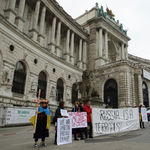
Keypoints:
pixel 140 114
pixel 43 123
pixel 77 108
pixel 88 109
pixel 58 115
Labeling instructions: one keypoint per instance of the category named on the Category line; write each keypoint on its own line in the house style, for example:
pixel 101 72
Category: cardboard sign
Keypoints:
pixel 64 131
pixel 144 114
pixel 108 121
pixel 63 112
pixel 79 119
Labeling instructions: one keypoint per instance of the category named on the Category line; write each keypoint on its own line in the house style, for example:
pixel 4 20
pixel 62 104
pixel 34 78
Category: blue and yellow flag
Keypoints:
pixel 47 112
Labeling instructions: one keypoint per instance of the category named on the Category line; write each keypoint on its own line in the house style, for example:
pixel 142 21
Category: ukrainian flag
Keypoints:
pixel 47 112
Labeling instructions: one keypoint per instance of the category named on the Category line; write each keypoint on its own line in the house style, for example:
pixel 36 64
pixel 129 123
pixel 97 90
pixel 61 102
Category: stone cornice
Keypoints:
pixel 139 59
pixel 109 27
pixel 65 18
pixel 36 45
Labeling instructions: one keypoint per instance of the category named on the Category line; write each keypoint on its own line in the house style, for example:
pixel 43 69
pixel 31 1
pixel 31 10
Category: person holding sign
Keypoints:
pixel 88 109
pixel 43 123
pixel 58 114
pixel 75 130
pixel 141 121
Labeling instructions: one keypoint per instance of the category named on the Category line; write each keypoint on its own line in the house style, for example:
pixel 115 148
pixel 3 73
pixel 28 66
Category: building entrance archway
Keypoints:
pixel 111 93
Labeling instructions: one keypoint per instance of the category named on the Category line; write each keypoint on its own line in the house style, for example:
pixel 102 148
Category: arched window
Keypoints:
pixel 42 84
pixel 60 90
pixel 19 78
pixel 145 94
pixel 74 93
pixel 111 93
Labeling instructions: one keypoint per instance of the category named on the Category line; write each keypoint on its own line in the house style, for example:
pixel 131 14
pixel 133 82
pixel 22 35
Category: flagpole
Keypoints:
pixel 37 110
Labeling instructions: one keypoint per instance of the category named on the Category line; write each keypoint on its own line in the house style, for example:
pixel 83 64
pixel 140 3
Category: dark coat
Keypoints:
pixel 41 131
pixel 58 113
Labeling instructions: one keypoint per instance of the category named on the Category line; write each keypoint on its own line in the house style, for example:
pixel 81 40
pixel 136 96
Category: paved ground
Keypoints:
pixel 20 138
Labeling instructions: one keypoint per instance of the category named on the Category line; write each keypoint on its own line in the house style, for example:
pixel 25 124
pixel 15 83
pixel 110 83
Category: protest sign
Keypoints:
pixel 64 131
pixel 107 121
pixel 79 119
pixel 63 112
pixel 144 114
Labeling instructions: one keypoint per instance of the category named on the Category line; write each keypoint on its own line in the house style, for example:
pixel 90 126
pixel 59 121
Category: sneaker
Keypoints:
pixel 90 136
pixel 44 144
pixel 82 139
pixel 35 146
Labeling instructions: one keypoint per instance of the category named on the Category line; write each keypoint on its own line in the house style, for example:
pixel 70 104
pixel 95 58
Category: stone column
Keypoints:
pixel 100 42
pixel 106 45
pixel 42 21
pixel 122 51
pixel 33 31
pixel 99 60
pixel 140 92
pixel 84 54
pixel 10 13
pixel 126 50
pixel 72 48
pixel 19 20
pixel 58 39
pixel 52 43
pixel 80 54
pixel 66 55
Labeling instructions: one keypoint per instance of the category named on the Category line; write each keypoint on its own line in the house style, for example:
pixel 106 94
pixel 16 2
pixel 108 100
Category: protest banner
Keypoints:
pixel 144 114
pixel 64 131
pixel 107 121
pixel 79 119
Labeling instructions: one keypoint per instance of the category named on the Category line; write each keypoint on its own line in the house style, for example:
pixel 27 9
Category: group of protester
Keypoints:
pixel 43 121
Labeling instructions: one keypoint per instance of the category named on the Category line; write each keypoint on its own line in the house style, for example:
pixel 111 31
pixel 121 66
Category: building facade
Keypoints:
pixel 42 47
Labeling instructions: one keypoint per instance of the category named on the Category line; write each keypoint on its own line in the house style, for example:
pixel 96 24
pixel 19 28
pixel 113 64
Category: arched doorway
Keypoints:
pixel 111 93
pixel 19 78
pixel 111 51
pixel 42 84
pixel 74 93
pixel 145 94
pixel 60 90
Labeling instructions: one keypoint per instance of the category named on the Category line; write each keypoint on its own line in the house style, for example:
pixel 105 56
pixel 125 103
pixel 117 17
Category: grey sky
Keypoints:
pixel 133 14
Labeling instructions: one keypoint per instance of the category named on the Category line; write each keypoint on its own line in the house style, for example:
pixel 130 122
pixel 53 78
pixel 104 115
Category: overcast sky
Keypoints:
pixel 133 14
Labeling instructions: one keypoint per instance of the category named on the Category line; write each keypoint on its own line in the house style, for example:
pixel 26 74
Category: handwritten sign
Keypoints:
pixel 107 121
pixel 144 114
pixel 63 112
pixel 64 131
pixel 79 119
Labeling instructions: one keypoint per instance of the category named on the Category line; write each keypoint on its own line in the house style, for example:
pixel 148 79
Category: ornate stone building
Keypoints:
pixel 42 47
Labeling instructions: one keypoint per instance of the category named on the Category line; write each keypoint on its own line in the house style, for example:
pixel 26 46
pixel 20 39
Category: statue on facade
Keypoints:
pixel 34 84
pixel 87 85
pixel 68 94
pixel 52 91
pixel 7 74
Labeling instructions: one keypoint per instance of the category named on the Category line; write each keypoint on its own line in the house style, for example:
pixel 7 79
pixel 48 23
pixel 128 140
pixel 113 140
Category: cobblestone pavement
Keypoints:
pixel 20 138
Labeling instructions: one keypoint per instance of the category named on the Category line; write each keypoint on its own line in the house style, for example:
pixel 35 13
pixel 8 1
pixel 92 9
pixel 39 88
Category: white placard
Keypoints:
pixel 108 121
pixel 144 114
pixel 64 131
pixel 63 112
pixel 79 119
pixel 146 74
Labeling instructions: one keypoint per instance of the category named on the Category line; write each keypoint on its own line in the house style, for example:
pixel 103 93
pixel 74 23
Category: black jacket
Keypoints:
pixel 58 114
